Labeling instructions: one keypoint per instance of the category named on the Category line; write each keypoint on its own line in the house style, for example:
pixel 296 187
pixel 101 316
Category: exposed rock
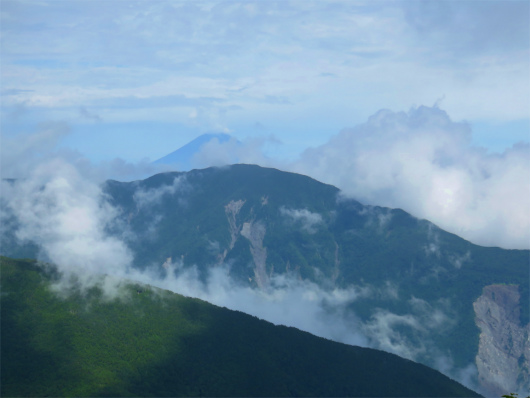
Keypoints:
pixel 503 358
pixel 232 210
pixel 255 232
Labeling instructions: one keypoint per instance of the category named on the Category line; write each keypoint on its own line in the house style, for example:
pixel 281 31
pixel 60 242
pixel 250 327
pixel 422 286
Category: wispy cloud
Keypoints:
pixel 267 56
pixel 307 220
pixel 59 207
pixel 65 214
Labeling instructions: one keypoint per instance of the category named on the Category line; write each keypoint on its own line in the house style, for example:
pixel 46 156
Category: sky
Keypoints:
pixel 419 105
pixel 65 213
pixel 137 79
pixel 422 105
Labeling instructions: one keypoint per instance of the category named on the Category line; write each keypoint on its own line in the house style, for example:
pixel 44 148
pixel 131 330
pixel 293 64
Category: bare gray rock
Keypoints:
pixel 255 232
pixel 503 358
pixel 232 210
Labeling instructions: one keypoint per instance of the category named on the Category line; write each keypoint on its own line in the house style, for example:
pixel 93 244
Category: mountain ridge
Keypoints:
pixel 418 283
pixel 347 244
pixel 152 342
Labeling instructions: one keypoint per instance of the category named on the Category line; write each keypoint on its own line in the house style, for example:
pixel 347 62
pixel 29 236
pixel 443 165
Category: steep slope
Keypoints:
pixel 264 222
pixel 419 282
pixel 503 358
pixel 149 342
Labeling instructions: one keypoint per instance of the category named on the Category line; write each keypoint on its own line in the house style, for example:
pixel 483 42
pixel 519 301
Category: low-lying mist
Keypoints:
pixel 67 216
pixel 59 205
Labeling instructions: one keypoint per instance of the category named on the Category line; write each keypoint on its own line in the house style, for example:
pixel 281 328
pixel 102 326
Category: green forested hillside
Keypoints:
pixel 347 244
pixel 151 342
pixel 418 282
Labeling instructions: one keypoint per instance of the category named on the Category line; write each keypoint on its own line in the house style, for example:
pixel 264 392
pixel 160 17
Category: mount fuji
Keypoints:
pixel 182 158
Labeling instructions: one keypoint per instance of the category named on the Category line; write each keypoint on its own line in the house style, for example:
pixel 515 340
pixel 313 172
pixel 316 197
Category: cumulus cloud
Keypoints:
pixel 119 169
pixel 66 215
pixel 423 162
pixel 458 261
pixel 384 329
pixel 410 335
pixel 400 159
pixel 420 161
pixel 56 202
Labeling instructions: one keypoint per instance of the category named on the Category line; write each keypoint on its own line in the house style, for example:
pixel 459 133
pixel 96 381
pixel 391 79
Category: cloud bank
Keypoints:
pixel 66 213
pixel 423 162
pixel 285 66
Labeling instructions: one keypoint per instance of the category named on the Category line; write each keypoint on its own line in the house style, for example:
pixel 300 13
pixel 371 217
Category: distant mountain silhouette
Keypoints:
pixel 182 158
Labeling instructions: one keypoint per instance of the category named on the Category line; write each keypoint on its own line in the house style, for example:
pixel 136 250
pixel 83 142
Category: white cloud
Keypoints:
pixel 239 53
pixel 147 198
pixel 22 153
pixel 250 150
pixel 384 330
pixel 308 220
pixel 286 301
pixel 377 217
pixel 423 162
pixel 327 313
pixel 420 161
pixel 66 215
pixel 458 261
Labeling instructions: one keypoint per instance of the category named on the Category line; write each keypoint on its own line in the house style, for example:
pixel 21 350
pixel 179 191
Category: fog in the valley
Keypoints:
pixel 59 204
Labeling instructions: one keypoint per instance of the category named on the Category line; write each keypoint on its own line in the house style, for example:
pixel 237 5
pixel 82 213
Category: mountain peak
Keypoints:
pixel 182 158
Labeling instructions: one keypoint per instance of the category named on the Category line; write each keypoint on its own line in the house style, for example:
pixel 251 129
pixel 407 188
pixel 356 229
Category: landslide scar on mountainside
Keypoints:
pixel 255 233
pixel 232 210
pixel 503 359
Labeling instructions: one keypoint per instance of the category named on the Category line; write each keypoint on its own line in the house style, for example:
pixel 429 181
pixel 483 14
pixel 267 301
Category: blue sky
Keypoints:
pixel 421 105
pixel 136 79
pixel 418 105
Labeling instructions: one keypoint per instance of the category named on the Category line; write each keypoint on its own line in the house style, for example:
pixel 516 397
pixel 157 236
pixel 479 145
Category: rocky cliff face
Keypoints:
pixel 503 359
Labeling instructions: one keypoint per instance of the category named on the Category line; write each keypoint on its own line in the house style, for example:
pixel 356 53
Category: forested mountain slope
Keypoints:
pixel 416 284
pixel 149 342
pixel 265 222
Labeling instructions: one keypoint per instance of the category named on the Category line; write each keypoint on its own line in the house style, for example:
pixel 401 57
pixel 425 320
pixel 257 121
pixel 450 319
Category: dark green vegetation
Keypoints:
pixel 265 222
pixel 151 342
pixel 353 244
